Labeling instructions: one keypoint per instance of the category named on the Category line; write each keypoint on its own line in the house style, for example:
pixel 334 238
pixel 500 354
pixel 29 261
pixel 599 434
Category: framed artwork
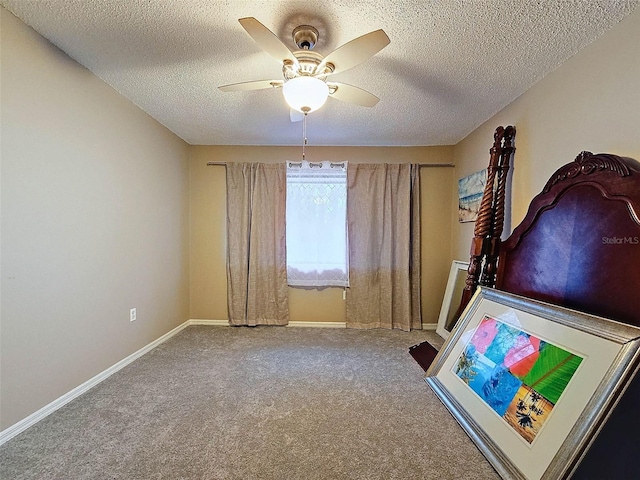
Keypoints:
pixel 532 383
pixel 470 191
pixel 452 296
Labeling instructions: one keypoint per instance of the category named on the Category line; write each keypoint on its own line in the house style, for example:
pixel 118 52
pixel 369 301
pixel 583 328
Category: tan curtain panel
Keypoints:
pixel 383 212
pixel 257 291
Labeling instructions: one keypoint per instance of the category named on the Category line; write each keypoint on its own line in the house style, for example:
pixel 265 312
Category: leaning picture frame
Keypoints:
pixel 452 297
pixel 532 383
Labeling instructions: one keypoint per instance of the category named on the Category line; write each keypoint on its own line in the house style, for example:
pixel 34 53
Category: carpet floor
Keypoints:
pixel 255 403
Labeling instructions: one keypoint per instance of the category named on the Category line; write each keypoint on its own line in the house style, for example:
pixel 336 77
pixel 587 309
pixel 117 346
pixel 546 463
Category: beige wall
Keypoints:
pixel 208 243
pixel 592 102
pixel 94 221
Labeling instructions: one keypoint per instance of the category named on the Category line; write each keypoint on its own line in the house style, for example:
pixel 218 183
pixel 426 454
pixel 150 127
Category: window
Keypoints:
pixel 317 224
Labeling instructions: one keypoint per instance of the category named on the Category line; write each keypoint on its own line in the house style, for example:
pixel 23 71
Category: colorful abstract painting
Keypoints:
pixel 516 374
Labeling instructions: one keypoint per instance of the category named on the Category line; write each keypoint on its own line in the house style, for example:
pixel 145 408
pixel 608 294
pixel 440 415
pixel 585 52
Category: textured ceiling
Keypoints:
pixel 451 64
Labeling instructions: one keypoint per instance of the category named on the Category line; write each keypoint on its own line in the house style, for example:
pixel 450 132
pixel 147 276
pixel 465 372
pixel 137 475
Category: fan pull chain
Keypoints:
pixel 304 134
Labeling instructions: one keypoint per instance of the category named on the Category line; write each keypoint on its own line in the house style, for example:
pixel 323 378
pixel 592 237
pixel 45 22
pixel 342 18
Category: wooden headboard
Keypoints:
pixel 579 247
pixel 579 244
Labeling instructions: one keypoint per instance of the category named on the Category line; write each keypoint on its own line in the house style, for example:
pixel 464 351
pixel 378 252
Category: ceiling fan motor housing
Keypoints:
pixel 307 65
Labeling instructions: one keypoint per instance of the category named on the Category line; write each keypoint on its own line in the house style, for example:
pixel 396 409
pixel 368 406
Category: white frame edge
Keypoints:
pixel 456 267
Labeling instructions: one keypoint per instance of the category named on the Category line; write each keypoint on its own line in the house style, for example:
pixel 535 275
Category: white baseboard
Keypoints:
pixel 196 321
pixel 225 323
pixel 318 324
pixel 22 425
pixel 304 324
pixel 218 323
pixel 425 326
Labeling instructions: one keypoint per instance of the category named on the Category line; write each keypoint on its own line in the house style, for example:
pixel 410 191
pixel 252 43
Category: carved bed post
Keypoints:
pixel 482 227
pixel 492 243
pixel 490 222
pixel 485 244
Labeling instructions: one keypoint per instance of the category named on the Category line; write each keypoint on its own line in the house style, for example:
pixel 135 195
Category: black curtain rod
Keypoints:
pixel 224 164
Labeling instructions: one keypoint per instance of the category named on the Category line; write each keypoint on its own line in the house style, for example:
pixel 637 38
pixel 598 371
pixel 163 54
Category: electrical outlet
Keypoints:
pixel 132 315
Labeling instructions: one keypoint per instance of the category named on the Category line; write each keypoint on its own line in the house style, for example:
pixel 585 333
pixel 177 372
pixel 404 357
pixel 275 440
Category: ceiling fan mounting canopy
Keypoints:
pixel 307 63
pixel 305 37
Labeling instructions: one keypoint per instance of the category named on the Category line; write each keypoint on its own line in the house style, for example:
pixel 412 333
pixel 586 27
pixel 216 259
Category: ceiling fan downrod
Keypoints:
pixel 304 134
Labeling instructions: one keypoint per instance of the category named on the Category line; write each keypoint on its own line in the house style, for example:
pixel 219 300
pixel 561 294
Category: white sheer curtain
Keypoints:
pixel 317 253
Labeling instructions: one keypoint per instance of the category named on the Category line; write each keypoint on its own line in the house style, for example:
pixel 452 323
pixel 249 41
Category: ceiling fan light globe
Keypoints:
pixel 305 94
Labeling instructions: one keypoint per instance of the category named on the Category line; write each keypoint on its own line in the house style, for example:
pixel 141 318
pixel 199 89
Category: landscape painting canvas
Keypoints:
pixel 518 375
pixel 470 190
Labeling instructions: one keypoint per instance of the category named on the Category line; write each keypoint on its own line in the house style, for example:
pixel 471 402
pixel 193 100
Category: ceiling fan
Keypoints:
pixel 305 86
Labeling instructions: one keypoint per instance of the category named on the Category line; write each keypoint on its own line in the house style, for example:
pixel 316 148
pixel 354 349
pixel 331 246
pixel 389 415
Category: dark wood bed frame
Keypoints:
pixel 578 247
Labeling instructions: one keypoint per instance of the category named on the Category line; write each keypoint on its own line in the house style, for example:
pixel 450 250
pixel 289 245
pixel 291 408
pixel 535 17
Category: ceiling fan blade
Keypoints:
pixel 267 40
pixel 256 85
pixel 356 51
pixel 295 115
pixel 350 94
